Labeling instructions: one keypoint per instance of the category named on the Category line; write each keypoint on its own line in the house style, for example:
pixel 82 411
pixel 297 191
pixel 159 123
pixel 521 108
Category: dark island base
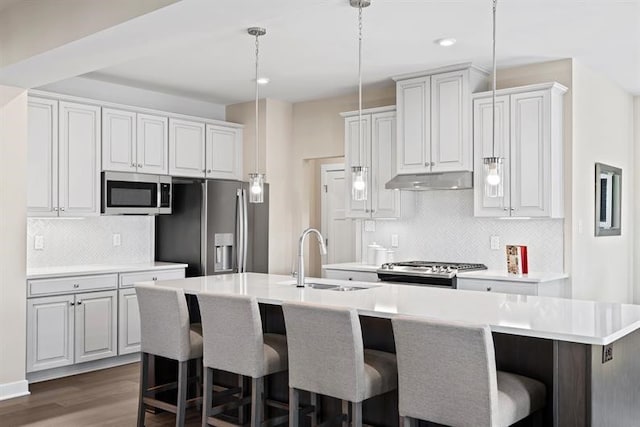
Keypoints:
pixel 581 391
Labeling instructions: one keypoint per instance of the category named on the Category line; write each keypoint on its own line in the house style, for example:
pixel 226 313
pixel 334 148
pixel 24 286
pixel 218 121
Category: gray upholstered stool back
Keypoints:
pixel 326 354
pixel 164 322
pixel 446 372
pixel 232 333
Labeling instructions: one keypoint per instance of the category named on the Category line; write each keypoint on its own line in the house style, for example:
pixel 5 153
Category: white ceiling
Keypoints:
pixel 6 3
pixel 310 50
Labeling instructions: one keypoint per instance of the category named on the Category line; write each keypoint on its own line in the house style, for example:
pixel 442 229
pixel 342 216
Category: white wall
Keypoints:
pixel 86 241
pixel 13 171
pixel 636 247
pixel 603 267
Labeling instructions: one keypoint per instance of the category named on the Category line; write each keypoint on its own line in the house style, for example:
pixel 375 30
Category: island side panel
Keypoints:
pixel 615 385
pixel 572 373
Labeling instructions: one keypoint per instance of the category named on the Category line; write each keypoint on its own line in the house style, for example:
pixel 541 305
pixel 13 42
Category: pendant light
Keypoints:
pixel 256 179
pixel 493 166
pixel 359 173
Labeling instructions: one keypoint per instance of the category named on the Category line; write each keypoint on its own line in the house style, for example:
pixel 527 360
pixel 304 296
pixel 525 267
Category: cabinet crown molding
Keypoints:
pixel 369 111
pixel 440 70
pixel 554 86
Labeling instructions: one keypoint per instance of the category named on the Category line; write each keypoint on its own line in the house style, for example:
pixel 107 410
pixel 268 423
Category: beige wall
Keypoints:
pixel 30 27
pixel 13 218
pixel 603 132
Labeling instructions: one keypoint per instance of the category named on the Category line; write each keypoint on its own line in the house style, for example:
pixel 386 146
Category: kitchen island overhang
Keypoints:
pixel 559 341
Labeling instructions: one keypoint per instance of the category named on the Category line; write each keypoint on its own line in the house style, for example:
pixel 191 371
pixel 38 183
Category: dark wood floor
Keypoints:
pixel 102 398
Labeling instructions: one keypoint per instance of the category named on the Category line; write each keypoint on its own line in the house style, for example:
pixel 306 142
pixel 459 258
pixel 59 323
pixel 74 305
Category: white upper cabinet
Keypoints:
pixel 530 124
pixel 152 144
pixel 134 142
pixel 224 152
pixel 378 154
pixel 434 119
pixel 42 157
pixel 118 140
pixel 79 156
pixel 186 148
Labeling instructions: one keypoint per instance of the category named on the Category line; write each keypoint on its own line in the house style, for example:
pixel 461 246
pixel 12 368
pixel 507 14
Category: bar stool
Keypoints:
pixel 166 332
pixel 327 356
pixel 447 375
pixel 234 342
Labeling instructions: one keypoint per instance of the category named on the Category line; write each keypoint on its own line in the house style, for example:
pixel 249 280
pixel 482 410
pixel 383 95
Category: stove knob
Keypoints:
pixel 385 266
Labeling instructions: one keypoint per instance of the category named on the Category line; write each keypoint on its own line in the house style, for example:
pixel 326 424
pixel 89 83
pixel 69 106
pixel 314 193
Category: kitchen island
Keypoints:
pixel 561 342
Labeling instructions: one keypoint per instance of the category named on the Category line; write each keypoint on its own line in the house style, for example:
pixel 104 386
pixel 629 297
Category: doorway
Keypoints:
pixel 337 229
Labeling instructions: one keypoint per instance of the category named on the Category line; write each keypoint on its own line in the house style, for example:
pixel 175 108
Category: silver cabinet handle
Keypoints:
pixel 133 165
pixel 208 170
pixel 513 209
pixel 505 209
pixel 489 289
pixel 139 165
pixel 154 278
pixel 72 303
pixel 55 209
pixel 79 302
pixel 76 286
pixel 427 163
pixel 62 209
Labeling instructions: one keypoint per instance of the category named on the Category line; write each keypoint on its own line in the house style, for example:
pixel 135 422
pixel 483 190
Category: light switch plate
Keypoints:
pixel 369 225
pixel 116 239
pixel 495 243
pixel 394 240
pixel 38 242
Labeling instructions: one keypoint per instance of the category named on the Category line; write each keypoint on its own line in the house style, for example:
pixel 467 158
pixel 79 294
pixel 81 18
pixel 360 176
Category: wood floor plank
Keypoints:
pixel 106 398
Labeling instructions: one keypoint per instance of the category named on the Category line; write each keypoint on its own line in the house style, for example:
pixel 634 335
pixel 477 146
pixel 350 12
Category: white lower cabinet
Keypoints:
pixel 50 326
pixel 356 276
pixel 96 326
pixel 128 322
pixel 553 288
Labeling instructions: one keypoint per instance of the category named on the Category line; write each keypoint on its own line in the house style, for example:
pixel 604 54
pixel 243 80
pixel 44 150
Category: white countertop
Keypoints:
pixel 503 275
pixel 83 270
pixel 352 266
pixel 579 321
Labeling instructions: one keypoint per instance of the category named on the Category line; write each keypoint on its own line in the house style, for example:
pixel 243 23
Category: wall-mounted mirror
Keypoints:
pixel 608 200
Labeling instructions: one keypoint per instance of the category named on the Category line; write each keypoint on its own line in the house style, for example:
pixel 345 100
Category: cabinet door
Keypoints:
pixel 79 151
pixel 414 125
pixel 128 322
pixel 384 203
pixel 118 140
pixel 224 152
pixel 483 142
pixel 153 144
pixel 530 154
pixel 96 326
pixel 186 148
pixel 49 332
pixel 42 157
pixel 450 122
pixel 357 154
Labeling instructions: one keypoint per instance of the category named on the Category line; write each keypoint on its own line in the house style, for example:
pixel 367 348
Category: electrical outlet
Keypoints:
pixel 38 242
pixel 116 239
pixel 495 243
pixel 607 353
pixel 394 241
pixel 369 225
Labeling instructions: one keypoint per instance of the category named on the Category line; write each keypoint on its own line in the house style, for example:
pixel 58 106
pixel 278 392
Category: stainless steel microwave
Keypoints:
pixel 126 193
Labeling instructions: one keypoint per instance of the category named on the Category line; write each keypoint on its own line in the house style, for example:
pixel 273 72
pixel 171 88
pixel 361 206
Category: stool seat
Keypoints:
pixel 275 353
pixel 518 397
pixel 380 372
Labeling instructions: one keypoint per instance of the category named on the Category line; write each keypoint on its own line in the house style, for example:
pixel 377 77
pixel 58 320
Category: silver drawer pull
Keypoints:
pixel 72 303
pixel 79 302
pixel 76 286
pixel 154 278
pixel 489 289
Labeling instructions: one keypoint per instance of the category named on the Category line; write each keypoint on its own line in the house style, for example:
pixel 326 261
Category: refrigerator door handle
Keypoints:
pixel 239 240
pixel 245 233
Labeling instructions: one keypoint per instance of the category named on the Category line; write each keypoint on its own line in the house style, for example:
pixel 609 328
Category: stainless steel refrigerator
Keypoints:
pixel 214 229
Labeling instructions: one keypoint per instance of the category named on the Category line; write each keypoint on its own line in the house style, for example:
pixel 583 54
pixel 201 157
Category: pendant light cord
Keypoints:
pixel 257 94
pixel 360 78
pixel 493 110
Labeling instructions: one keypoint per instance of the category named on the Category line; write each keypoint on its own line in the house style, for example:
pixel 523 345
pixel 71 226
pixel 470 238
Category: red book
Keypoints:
pixel 524 260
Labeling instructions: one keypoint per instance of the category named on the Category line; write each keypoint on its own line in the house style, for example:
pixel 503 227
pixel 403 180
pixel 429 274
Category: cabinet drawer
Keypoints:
pixel 66 285
pixel 495 286
pixel 128 279
pixel 356 276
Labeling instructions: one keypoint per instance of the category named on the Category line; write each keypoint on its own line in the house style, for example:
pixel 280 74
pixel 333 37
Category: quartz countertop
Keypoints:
pixel 503 275
pixel 579 321
pixel 83 270
pixel 352 266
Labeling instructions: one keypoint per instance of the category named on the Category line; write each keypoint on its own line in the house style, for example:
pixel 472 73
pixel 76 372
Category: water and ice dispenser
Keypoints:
pixel 224 252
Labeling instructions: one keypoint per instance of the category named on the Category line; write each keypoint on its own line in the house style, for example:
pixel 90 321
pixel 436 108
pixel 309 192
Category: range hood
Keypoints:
pixel 432 181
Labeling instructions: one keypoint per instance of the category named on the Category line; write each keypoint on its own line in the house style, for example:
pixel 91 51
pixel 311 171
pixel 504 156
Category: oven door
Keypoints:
pixel 130 194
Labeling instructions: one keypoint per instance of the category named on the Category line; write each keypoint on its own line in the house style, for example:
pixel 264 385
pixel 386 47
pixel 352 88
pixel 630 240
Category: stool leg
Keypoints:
pixel 144 377
pixel 356 411
pixel 206 399
pixel 407 422
pixel 345 414
pixel 199 382
pixel 316 410
pixel 241 408
pixel 257 400
pixel 294 415
pixel 182 394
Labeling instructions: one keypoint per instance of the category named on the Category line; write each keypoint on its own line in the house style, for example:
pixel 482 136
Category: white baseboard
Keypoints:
pixel 14 389
pixel 81 368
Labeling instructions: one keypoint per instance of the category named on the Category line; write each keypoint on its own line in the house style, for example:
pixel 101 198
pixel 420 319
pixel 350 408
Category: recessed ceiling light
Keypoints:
pixel 446 42
pixel 263 80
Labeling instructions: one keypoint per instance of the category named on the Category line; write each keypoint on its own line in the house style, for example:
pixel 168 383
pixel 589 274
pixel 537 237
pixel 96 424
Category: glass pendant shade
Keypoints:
pixel 493 177
pixel 359 183
pixel 256 187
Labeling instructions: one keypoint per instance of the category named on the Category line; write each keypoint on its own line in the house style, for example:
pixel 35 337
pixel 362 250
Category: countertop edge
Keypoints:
pixel 505 277
pixel 102 269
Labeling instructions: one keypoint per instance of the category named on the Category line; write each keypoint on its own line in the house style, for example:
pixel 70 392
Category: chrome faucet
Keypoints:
pixel 323 251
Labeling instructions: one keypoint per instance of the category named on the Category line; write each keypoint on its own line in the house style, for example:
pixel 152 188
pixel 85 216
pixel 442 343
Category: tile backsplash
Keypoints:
pixel 82 241
pixel 440 226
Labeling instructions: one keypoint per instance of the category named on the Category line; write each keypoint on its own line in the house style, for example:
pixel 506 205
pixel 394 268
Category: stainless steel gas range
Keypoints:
pixel 425 273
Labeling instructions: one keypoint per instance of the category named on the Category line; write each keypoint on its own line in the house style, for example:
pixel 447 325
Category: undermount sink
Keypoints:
pixel 330 287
